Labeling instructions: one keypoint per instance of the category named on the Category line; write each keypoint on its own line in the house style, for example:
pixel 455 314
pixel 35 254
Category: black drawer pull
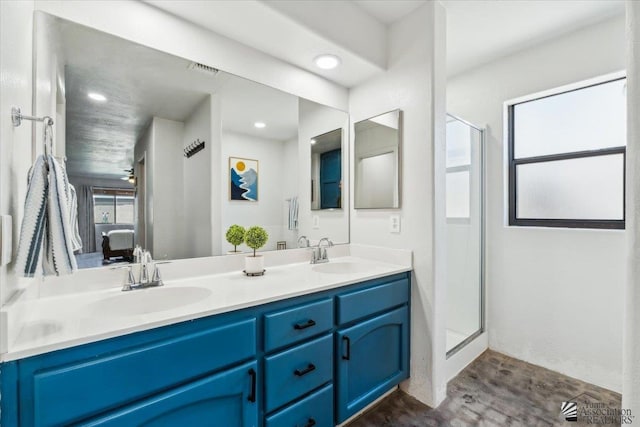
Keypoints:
pixel 347 342
pixel 309 423
pixel 305 371
pixel 252 395
pixel 309 323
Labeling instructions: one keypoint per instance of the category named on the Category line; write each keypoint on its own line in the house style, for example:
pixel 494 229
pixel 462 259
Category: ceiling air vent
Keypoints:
pixel 203 68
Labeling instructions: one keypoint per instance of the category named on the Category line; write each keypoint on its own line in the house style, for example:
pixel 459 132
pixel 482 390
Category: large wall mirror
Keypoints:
pixel 168 153
pixel 377 161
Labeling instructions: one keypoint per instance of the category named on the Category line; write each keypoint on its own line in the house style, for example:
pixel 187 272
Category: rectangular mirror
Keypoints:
pixel 168 153
pixel 326 170
pixel 377 162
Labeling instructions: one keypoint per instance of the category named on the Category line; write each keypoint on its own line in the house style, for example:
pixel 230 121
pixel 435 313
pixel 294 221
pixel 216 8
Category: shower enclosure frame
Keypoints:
pixel 483 172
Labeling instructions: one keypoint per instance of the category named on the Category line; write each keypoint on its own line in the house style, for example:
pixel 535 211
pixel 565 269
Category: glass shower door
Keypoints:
pixel 465 230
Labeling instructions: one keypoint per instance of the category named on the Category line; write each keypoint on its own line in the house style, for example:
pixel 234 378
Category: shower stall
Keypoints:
pixel 465 232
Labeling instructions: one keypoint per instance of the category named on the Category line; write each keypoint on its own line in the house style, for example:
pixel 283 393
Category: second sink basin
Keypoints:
pixel 341 268
pixel 150 300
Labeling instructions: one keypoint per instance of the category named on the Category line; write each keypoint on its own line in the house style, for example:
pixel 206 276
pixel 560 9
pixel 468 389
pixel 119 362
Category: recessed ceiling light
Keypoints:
pixel 259 125
pixel 97 96
pixel 313 141
pixel 327 61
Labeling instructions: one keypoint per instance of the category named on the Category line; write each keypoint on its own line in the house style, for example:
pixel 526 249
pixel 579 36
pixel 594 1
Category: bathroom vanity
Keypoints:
pixel 231 359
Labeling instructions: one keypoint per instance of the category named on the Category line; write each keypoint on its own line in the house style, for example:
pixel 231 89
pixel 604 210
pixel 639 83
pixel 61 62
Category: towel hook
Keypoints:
pixel 17 117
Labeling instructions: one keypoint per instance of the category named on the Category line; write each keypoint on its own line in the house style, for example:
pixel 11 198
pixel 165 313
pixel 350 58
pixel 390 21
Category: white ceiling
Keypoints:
pixel 480 31
pixel 141 83
pixel 388 12
pixel 295 32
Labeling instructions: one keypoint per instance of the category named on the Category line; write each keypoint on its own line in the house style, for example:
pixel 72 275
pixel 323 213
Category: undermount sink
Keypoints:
pixel 150 300
pixel 341 268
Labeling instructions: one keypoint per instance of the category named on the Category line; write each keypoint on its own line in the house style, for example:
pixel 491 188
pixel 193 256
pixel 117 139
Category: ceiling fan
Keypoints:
pixel 131 177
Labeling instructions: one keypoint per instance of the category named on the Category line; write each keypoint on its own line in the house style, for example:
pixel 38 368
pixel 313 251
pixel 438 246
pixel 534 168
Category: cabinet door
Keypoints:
pixel 226 399
pixel 372 357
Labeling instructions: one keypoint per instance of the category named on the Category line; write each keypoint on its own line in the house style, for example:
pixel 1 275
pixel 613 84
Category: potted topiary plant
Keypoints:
pixel 235 236
pixel 255 237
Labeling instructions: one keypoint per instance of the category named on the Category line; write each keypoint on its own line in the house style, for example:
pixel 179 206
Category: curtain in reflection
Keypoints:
pixel 85 218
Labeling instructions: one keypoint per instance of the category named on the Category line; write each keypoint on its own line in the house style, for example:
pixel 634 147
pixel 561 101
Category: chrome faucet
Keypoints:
pixel 319 253
pixel 305 242
pixel 130 283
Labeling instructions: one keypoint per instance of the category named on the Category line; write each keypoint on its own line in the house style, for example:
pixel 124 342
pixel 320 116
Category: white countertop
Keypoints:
pixel 70 319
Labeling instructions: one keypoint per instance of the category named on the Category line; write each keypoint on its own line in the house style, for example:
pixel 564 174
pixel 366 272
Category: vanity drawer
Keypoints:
pixel 356 305
pixel 295 324
pixel 294 372
pixel 314 410
pixel 65 394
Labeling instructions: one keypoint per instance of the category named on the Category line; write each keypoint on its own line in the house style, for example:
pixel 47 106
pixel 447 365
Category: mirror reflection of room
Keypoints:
pixel 167 154
pixel 377 168
pixel 326 170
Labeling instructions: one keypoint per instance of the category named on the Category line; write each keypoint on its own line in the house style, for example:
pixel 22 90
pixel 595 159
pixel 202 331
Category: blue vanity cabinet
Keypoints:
pixel 311 360
pixel 79 384
pixel 373 352
pixel 228 399
pixel 298 364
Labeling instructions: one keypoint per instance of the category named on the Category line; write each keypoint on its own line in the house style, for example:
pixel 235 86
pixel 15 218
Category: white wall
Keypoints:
pixel 168 213
pixel 162 147
pixel 49 79
pixel 313 120
pixel 196 229
pixel 290 188
pixel 143 151
pixel 415 84
pixel 16 25
pixel 273 172
pixel 631 367
pixel 555 296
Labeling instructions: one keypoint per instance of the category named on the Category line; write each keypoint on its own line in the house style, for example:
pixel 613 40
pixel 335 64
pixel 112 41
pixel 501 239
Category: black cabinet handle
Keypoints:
pixel 305 371
pixel 252 395
pixel 309 323
pixel 347 342
pixel 309 423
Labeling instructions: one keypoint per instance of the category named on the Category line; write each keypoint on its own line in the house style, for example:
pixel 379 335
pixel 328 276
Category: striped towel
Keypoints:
pixel 46 222
pixel 76 241
pixel 293 213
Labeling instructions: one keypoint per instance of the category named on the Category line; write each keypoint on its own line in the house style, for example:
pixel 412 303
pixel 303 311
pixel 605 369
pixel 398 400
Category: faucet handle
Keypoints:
pixel 156 271
pixel 129 279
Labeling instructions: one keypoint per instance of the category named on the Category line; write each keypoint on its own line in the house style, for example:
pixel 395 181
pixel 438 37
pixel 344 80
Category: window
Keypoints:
pixel 566 158
pixel 113 206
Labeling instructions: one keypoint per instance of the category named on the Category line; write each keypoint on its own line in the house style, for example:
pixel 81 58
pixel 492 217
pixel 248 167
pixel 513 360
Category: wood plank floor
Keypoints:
pixel 496 390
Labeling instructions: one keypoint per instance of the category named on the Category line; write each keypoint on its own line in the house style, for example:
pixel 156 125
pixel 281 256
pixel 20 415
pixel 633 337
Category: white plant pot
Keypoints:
pixel 234 252
pixel 254 264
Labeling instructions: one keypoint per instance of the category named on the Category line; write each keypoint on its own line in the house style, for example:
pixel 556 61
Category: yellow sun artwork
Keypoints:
pixel 243 179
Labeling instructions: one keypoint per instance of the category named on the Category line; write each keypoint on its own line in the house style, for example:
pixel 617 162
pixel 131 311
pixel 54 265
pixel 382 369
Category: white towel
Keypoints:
pixel 76 241
pixel 293 213
pixel 34 219
pixel 59 258
pixel 46 221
